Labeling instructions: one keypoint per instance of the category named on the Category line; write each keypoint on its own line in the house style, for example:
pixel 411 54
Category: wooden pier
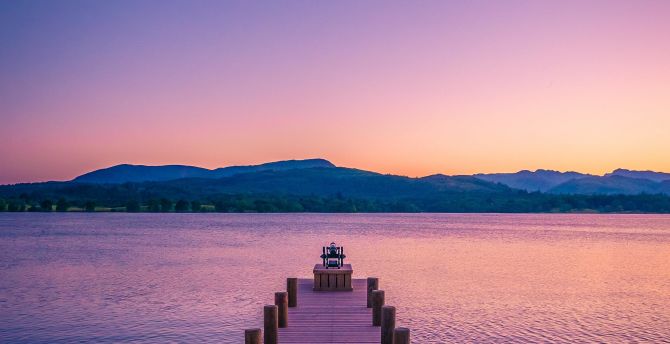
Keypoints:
pixel 330 317
pixel 305 313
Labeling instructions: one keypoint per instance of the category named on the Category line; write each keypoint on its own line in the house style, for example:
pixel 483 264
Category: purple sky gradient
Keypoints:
pixel 410 88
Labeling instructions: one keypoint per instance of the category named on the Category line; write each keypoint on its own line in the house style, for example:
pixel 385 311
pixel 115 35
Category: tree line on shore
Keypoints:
pixel 520 202
pixel 230 204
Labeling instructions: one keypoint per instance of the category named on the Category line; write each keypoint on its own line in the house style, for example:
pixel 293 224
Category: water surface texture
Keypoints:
pixel 453 277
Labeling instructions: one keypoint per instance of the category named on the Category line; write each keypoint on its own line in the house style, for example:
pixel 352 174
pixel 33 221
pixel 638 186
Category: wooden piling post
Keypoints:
pixel 281 301
pixel 373 284
pixel 252 336
pixel 388 324
pixel 377 303
pixel 270 322
pixel 292 290
pixel 401 336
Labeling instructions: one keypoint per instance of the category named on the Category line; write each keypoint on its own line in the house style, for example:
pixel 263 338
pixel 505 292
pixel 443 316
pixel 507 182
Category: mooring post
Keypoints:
pixel 252 336
pixel 281 301
pixel 388 324
pixel 292 289
pixel 373 284
pixel 401 335
pixel 270 323
pixel 377 303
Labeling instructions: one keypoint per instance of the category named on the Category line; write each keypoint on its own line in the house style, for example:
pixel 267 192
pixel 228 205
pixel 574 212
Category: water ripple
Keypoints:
pixel 455 278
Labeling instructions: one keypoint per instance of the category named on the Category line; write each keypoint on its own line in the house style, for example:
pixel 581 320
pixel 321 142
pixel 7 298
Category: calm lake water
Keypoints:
pixel 453 277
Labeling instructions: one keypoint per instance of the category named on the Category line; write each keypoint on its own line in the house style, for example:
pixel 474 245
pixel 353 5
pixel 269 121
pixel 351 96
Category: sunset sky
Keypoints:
pixel 410 88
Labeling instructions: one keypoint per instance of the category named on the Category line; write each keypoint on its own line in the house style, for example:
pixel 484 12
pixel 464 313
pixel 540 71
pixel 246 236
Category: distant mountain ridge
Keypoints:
pixel 619 181
pixel 651 175
pixel 140 173
pixel 539 180
pixel 608 185
pixel 316 185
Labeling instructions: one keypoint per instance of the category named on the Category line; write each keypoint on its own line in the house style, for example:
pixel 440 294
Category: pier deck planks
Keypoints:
pixel 330 316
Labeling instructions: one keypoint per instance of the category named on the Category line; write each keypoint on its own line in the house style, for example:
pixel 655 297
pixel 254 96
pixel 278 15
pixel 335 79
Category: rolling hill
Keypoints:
pixel 139 173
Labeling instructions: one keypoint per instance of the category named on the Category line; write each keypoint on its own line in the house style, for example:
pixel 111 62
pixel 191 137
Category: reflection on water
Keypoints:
pixel 454 278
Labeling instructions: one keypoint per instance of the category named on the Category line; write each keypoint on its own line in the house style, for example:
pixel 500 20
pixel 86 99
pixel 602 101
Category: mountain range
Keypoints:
pixel 319 185
pixel 619 181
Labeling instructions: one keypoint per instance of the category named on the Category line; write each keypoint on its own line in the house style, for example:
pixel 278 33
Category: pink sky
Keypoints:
pixel 410 88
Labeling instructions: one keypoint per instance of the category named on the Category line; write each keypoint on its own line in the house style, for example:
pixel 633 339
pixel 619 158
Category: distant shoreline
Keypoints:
pixel 484 203
pixel 317 186
pixel 103 210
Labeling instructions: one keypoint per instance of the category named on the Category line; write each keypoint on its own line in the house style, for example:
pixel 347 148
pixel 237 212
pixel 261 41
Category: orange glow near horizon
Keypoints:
pixel 406 88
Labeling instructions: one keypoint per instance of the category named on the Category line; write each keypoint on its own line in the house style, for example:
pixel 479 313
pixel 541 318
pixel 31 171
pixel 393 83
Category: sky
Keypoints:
pixel 410 87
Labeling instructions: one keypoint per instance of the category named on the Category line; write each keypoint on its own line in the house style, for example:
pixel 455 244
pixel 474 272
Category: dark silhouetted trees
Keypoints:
pixel 62 205
pixel 133 206
pixel 89 206
pixel 182 206
pixel 16 206
pixel 166 205
pixel 46 205
pixel 154 206
pixel 196 206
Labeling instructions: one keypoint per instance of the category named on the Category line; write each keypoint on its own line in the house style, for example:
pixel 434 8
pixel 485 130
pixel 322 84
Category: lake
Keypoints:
pixel 113 277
